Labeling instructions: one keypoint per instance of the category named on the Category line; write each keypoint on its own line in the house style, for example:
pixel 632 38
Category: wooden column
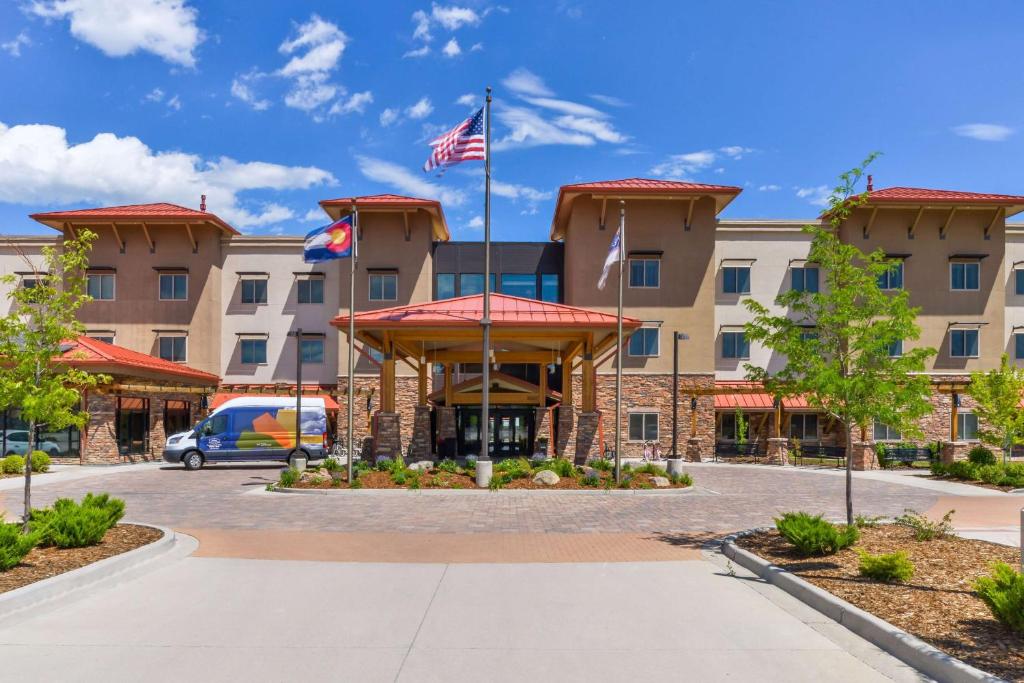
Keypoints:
pixel 387 399
pixel 693 418
pixel 542 385
pixel 422 395
pixel 448 393
pixel 953 417
pixel 588 376
pixel 778 420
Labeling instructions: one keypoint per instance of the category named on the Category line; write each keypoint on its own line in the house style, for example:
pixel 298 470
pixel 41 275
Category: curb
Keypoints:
pixel 481 491
pixel 909 649
pixel 124 566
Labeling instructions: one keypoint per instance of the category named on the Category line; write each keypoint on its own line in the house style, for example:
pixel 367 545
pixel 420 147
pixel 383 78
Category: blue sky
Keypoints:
pixel 268 107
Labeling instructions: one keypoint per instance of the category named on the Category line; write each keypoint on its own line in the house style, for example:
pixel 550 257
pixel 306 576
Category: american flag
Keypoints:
pixel 464 142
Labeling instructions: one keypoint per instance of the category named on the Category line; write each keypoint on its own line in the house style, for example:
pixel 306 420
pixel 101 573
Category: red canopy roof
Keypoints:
pixel 921 195
pixel 222 397
pixel 751 396
pixel 103 357
pixel 465 311
pixel 140 212
pixel 336 207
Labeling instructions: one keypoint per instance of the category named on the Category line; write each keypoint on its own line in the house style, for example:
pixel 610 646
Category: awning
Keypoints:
pixel 747 397
pixel 222 397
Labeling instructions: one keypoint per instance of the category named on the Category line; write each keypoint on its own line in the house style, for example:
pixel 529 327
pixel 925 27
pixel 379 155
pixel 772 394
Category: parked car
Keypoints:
pixel 16 443
pixel 256 428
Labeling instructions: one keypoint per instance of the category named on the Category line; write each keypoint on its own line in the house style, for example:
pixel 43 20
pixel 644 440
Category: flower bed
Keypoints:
pixel 938 604
pixel 507 474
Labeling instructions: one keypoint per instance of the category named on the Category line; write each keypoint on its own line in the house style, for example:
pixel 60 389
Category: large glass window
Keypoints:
pixel 804 279
pixel 892 278
pixel 254 351
pixel 644 272
pixel 966 427
pixel 1018 281
pixel 383 286
pixel 963 343
pixel 896 349
pixel 132 425
pixel 735 345
pixel 549 289
pixel 445 285
pixel 60 443
pixel 173 349
pixel 1018 346
pixel 727 427
pixel 643 426
pixel 803 426
pixel 173 286
pixel 473 283
pixel 736 280
pixel 884 432
pixel 254 291
pixel 100 286
pixel 312 351
pixel 519 284
pixel 964 275
pixel 311 290
pixel 644 342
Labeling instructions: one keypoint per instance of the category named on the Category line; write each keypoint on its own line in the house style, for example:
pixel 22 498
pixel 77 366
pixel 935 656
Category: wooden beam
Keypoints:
pixel 387 399
pixel 913 226
pixel 871 222
pixel 689 215
pixel 944 228
pixel 992 223
pixel 542 385
pixel 117 236
pixel 495 397
pixel 604 208
pixel 499 356
pixel 953 420
pixel 461 334
pixel 588 375
pixel 421 385
pixel 192 239
pixel 448 391
pixel 408 233
pixel 567 384
pixel 149 239
pixel 70 229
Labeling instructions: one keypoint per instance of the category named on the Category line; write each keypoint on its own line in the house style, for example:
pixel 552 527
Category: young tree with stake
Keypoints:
pixel 997 395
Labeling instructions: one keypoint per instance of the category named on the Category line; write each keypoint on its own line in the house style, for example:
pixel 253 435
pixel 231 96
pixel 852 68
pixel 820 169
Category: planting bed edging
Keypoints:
pixel 897 642
pixel 122 566
pixel 480 491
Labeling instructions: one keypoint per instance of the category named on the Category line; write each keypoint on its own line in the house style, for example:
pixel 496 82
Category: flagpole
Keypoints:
pixel 485 322
pixel 618 348
pixel 352 337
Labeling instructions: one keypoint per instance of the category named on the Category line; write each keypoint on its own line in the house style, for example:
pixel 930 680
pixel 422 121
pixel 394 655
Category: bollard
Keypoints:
pixel 674 466
pixel 483 473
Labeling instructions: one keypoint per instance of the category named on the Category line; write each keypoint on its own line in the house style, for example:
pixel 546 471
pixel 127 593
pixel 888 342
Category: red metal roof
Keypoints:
pixel 222 397
pixel 87 352
pixel 748 397
pixel 157 211
pixel 465 311
pixel 392 201
pixel 921 195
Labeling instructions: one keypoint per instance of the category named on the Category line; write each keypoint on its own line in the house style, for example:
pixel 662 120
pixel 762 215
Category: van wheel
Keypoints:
pixel 192 460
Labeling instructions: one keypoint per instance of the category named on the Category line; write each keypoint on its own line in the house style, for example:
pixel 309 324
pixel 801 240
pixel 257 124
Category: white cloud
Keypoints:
pixel 422 109
pixel 407 182
pixel 989 132
pixel 816 196
pixel 475 223
pixel 468 100
pixel 174 103
pixel 524 82
pixel 602 130
pixel 314 215
pixel 418 52
pixel 566 107
pixel 527 128
pixel 323 44
pixel 422 30
pixel 513 191
pixel 453 18
pixel 451 48
pixel 356 103
pixel 679 166
pixel 118 28
pixel 39 166
pixel 310 91
pixel 477 47
pixel 769 188
pixel 154 95
pixel 241 87
pixel 735 151
pixel 389 116
pixel 13 46
pixel 609 100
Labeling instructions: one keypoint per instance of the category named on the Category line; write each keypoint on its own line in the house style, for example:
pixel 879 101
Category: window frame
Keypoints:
pixel 964 331
pixel 160 344
pixel 644 416
pixel 739 336
pixel 888 276
pixel 251 340
pixel 523 276
pixel 657 342
pixel 888 431
pixel 323 350
pixel 960 427
pixel 899 353
pixel 803 277
pixel 803 426
pixel 1018 346
pixel 557 284
pixel 644 279
pixel 964 263
pixel 383 291
pixel 437 286
pixel 101 275
pixel 1018 281
pixel 254 281
pixel 736 282
pixel 160 288
pixel 307 281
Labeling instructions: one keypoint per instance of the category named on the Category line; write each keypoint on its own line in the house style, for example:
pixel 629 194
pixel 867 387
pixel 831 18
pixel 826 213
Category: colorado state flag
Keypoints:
pixel 329 242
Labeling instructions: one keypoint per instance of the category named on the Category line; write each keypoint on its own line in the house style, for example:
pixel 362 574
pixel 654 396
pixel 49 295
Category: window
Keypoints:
pixel 645 272
pixel 736 280
pixel 809 333
pixel 173 349
pixel 312 350
pixel 892 278
pixel 735 345
pixel 519 284
pixel 549 289
pixel 29 281
pixel 254 291
pixel 1018 346
pixel 963 343
pixel 445 285
pixel 803 427
pixel 254 351
pixel 727 430
pixel 644 342
pixel 896 349
pixel 643 426
pixel 383 286
pixel 884 432
pixel 173 286
pixel 964 275
pixel 804 279
pixel 311 290
pixel 1018 278
pixel 100 286
pixel 966 427
pixel 106 337
pixel 473 283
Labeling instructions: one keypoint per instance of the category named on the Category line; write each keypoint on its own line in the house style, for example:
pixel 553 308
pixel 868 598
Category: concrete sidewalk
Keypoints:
pixel 220 619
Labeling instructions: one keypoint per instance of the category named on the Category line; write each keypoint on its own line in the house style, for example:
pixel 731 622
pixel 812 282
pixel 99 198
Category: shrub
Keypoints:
pixel 991 474
pixel 925 529
pixel 357 484
pixel 1013 474
pixel 938 468
pixel 560 466
pixel 40 461
pixel 413 479
pixel 887 567
pixel 626 482
pixel 399 477
pixel 332 465
pixel 980 455
pixel 516 468
pixel 813 535
pixel 76 525
pixel 448 465
pixel 14 545
pixel 863 522
pixel 683 479
pixel 591 479
pixel 602 465
pixel 963 469
pixel 384 463
pixel 289 477
pixel 1003 592
pixel 500 480
pixel 361 466
pixel 13 464
pixel 650 468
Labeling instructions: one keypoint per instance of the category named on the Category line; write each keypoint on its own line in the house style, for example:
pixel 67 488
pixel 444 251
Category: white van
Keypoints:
pixel 252 428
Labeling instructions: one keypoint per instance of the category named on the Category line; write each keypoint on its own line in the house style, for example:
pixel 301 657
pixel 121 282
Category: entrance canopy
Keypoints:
pixel 522 331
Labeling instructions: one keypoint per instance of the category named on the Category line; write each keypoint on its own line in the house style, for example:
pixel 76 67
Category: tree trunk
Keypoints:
pixel 849 474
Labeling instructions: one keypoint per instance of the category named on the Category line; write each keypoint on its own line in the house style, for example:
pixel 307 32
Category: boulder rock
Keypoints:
pixel 591 473
pixel 546 477
pixel 660 482
pixel 422 466
pixel 538 457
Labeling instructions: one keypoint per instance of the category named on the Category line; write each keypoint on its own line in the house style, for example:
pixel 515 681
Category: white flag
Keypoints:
pixel 613 257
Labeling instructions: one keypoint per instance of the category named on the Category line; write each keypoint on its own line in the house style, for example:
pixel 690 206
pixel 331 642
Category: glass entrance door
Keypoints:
pixel 133 426
pixel 511 431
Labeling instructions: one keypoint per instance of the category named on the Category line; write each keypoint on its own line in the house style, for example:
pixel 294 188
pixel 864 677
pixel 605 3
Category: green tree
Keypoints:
pixel 997 394
pixel 837 341
pixel 33 336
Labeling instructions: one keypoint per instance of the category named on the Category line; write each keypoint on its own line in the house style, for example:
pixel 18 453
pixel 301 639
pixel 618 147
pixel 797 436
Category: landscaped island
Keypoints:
pixel 517 473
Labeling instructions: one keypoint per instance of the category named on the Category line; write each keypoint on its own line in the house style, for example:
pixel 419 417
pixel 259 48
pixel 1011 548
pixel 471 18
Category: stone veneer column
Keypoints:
pixel 952 451
pixel 447 439
pixel 542 430
pixel 586 437
pixel 565 446
pixel 100 447
pixel 693 449
pixel 864 456
pixel 388 439
pixel 157 433
pixel 421 449
pixel 778 451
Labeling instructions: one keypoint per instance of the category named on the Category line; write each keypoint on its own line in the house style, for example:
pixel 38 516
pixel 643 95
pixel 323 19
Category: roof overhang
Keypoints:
pixel 59 220
pixel 336 208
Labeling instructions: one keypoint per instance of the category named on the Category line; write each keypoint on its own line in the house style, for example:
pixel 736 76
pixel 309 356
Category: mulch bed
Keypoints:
pixel 448 480
pixel 937 605
pixel 42 563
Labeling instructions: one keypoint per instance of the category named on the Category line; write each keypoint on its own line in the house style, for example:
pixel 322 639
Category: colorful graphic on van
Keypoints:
pixel 267 427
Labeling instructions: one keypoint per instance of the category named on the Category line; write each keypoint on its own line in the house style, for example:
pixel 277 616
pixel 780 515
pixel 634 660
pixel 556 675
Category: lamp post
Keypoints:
pixel 675 463
pixel 296 460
